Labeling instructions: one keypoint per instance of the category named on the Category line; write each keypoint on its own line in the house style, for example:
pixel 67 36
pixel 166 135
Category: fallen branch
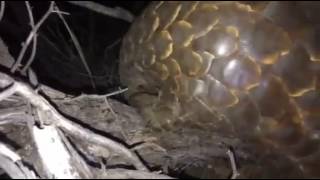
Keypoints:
pixel 78 161
pixel 56 160
pixel 116 147
pixel 72 128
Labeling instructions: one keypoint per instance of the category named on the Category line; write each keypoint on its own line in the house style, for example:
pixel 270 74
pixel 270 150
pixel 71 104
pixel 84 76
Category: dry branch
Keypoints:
pixel 30 38
pixel 235 172
pixel 74 129
pixel 117 12
pixel 2 4
pixel 34 42
pixel 95 96
pixel 56 160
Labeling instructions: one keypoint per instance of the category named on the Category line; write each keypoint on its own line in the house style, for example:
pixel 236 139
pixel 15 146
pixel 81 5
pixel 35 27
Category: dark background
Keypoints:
pixel 57 63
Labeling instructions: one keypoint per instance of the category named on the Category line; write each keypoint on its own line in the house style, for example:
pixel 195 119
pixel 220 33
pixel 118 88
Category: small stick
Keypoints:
pixel 103 96
pixel 117 12
pixel 78 47
pixel 2 9
pixel 61 12
pixel 110 108
pixel 120 91
pixel 30 37
pixel 235 172
pixel 34 47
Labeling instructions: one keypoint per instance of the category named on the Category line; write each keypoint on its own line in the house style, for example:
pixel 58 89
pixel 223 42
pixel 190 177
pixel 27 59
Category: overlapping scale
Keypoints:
pixel 249 70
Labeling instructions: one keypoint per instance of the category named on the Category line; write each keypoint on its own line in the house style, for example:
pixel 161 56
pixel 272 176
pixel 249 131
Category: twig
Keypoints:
pixel 34 46
pixel 110 108
pixel 61 12
pixel 213 111
pixel 74 129
pixel 2 9
pixel 53 45
pixel 117 12
pixel 120 91
pixel 235 172
pixel 149 144
pixel 103 96
pixel 132 174
pixel 113 44
pixel 30 37
pixel 77 46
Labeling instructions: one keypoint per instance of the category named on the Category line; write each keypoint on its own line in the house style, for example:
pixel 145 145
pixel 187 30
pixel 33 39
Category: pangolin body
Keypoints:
pixel 241 69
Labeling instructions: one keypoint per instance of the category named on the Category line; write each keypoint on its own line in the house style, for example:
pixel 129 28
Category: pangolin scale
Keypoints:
pixel 249 70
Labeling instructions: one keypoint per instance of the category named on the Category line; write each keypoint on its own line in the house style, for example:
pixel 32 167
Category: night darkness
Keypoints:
pixel 57 64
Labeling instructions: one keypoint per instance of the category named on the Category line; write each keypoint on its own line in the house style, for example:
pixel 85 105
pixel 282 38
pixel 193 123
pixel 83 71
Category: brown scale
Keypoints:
pixel 241 69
